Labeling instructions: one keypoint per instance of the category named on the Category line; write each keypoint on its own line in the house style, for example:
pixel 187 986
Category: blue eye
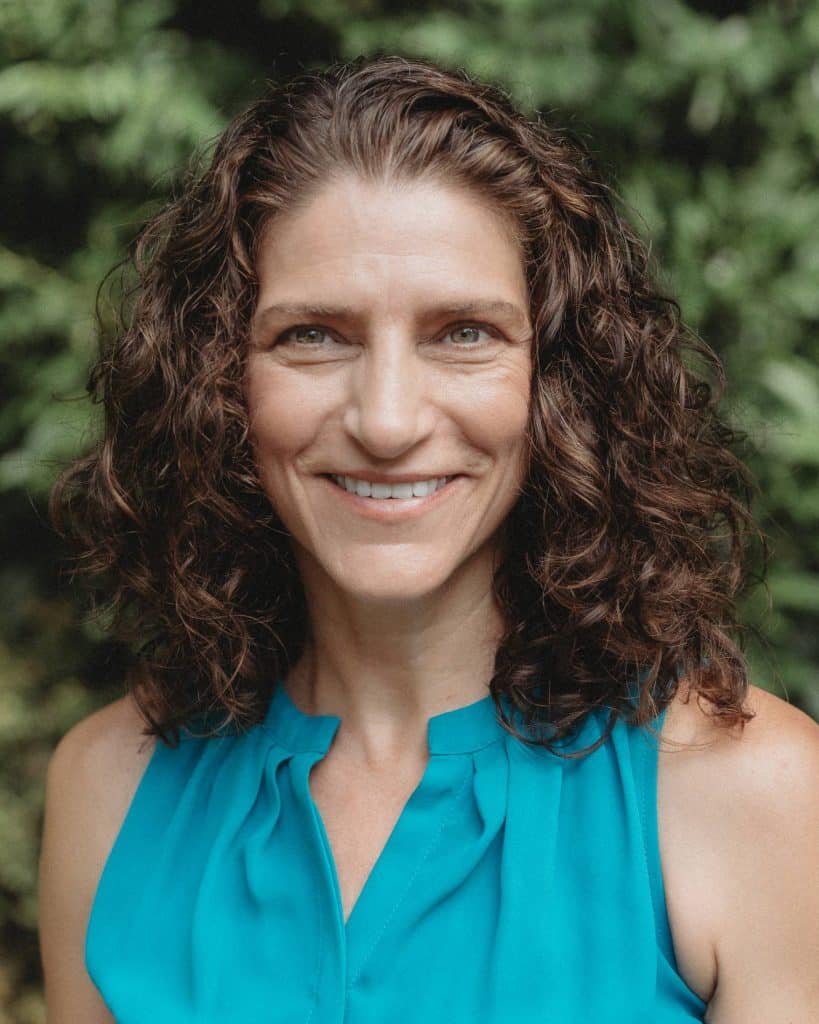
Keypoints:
pixel 304 329
pixel 475 328
pixel 310 336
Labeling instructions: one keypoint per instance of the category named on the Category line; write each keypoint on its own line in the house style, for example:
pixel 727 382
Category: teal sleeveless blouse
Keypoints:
pixel 516 886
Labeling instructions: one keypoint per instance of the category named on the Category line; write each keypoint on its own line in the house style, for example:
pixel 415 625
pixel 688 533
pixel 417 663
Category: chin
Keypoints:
pixel 394 591
pixel 387 582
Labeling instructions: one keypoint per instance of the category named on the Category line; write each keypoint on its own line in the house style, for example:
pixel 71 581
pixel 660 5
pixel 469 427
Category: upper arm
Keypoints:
pixel 768 945
pixel 88 788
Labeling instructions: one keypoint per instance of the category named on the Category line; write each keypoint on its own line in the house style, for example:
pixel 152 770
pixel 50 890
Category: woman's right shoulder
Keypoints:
pixel 92 776
pixel 100 761
pixel 111 737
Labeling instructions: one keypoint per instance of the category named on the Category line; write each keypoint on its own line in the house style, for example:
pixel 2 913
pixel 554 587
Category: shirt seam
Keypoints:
pixel 425 856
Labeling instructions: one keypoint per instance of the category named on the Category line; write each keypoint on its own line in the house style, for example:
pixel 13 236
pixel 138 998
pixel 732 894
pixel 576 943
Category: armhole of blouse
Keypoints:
pixel 100 915
pixel 646 771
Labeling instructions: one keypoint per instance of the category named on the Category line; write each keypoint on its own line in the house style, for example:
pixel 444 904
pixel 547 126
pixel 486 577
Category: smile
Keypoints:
pixel 409 489
pixel 394 506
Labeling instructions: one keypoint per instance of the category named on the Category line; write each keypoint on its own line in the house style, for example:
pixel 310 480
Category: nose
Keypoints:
pixel 388 408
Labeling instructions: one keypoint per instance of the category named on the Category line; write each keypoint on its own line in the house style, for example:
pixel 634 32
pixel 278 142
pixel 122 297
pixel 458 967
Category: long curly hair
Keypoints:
pixel 629 542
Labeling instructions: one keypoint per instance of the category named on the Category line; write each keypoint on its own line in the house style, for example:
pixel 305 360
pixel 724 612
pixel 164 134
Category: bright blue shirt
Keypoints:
pixel 516 886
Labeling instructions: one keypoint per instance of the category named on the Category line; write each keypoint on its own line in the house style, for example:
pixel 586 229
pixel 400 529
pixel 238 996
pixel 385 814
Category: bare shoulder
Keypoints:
pixel 688 722
pixel 738 817
pixel 97 765
pixel 112 738
pixel 741 776
pixel 92 776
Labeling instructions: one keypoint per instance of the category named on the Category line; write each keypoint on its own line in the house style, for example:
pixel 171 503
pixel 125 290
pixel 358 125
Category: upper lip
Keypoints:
pixel 390 478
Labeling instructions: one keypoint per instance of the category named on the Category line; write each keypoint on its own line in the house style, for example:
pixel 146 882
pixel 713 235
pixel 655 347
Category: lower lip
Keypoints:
pixel 392 510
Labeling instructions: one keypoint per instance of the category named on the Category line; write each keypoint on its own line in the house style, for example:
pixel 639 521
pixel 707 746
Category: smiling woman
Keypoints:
pixel 423 527
pixel 385 391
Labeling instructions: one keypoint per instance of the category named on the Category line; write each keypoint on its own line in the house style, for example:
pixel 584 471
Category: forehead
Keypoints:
pixel 389 239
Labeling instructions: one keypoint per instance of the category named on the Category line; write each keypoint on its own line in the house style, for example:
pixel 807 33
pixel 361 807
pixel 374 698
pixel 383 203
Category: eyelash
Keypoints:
pixel 315 327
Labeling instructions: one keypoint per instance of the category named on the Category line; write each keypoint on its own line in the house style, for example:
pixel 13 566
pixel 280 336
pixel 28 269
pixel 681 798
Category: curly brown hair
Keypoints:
pixel 628 544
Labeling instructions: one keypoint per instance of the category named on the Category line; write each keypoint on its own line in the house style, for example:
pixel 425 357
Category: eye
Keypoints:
pixel 311 335
pixel 306 335
pixel 466 335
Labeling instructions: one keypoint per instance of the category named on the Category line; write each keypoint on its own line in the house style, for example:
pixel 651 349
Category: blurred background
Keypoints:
pixel 704 116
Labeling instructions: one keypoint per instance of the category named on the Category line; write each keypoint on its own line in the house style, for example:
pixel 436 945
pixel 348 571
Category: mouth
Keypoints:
pixel 392 509
pixel 400 491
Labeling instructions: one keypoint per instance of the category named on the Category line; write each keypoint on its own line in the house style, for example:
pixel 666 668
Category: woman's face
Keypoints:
pixel 391 337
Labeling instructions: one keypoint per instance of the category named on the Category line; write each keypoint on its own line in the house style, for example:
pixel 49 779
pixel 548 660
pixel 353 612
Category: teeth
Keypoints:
pixel 414 489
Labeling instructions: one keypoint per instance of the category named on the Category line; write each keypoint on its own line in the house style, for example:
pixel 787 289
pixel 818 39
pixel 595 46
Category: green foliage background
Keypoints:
pixel 705 115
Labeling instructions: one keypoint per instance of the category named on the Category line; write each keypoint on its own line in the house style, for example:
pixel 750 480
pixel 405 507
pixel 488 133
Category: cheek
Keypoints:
pixel 500 406
pixel 282 419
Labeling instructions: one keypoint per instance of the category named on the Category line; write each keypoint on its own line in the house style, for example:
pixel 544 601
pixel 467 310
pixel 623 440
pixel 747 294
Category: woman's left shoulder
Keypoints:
pixel 771 763
pixel 779 726
pixel 753 802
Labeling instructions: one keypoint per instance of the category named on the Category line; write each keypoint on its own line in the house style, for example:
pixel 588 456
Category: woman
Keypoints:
pixel 423 530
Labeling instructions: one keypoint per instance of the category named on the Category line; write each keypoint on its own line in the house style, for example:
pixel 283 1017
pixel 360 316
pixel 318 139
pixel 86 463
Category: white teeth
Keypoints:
pixel 361 487
pixel 414 489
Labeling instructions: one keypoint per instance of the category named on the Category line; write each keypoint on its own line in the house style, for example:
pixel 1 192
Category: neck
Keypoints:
pixel 386 670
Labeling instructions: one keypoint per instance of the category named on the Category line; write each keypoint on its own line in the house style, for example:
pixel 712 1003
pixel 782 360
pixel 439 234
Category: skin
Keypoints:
pixel 403 619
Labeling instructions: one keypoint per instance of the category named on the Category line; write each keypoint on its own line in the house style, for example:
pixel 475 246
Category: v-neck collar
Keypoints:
pixel 458 731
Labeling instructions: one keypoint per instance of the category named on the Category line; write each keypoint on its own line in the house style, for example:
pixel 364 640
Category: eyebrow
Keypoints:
pixel 471 308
